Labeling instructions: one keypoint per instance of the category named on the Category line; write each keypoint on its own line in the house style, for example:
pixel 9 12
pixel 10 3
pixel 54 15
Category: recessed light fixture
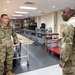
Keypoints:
pixel 40 11
pixel 16 15
pixel 8 1
pixel 5 9
pixel 30 8
pixel 53 6
pixel 21 12
pixel 72 7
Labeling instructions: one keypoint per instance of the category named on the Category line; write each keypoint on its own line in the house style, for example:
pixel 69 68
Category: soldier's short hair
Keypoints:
pixel 71 9
pixel 3 15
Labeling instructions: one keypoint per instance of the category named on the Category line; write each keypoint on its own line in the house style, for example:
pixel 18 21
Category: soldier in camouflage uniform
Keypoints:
pixel 67 55
pixel 6 45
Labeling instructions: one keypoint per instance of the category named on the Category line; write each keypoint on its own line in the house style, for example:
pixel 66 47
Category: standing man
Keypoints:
pixel 67 56
pixel 6 45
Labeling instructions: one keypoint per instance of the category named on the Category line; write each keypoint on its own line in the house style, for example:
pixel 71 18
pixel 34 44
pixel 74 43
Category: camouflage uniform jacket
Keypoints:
pixel 68 43
pixel 5 36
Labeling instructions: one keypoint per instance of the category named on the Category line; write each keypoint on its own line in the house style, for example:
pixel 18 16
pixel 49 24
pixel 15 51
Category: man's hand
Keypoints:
pixel 61 65
pixel 13 45
pixel 0 46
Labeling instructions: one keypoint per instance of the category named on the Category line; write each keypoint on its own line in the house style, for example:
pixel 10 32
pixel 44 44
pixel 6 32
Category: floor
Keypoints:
pixel 39 58
pixel 51 70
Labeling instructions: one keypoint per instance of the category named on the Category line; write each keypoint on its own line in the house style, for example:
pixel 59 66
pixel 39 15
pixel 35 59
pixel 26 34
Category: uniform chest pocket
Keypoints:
pixel 9 31
pixel 8 34
pixel 2 34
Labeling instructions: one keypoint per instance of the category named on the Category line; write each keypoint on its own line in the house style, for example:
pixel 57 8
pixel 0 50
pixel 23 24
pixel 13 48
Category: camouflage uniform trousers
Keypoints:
pixel 69 69
pixel 6 54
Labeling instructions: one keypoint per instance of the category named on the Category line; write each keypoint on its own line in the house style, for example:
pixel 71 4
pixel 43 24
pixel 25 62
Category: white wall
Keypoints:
pixel 48 20
pixel 38 20
pixel 59 20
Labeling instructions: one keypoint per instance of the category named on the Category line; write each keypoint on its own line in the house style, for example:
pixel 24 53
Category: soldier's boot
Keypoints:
pixel 10 73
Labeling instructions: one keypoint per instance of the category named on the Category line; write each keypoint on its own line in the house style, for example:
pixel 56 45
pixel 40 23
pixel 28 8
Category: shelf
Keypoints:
pixel 53 39
pixel 51 42
pixel 55 49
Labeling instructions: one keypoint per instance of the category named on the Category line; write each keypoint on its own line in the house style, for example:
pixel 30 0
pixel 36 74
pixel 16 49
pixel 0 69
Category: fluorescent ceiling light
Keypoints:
pixel 30 8
pixel 12 18
pixel 21 12
pixel 8 1
pixel 16 15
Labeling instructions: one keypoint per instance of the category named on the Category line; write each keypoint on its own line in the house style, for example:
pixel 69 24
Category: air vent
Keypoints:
pixel 29 3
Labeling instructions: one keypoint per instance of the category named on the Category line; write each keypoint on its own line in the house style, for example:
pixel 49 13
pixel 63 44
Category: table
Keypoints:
pixel 51 70
pixel 25 41
pixel 38 32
